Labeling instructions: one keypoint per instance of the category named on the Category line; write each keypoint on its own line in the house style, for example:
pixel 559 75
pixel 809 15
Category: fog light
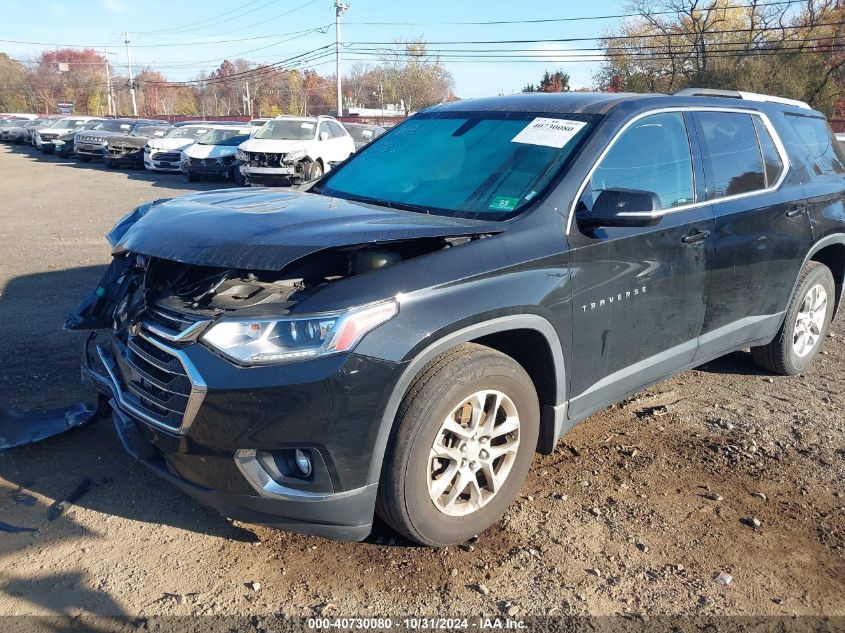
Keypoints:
pixel 303 463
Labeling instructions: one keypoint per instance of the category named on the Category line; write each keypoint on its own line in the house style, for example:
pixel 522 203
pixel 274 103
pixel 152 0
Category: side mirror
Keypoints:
pixel 324 136
pixel 621 207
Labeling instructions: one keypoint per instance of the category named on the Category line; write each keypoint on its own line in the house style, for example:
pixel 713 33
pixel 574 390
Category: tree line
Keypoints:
pixel 407 77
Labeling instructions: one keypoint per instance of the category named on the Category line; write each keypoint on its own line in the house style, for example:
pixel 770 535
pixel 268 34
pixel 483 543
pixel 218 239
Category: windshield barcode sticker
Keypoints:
pixel 549 132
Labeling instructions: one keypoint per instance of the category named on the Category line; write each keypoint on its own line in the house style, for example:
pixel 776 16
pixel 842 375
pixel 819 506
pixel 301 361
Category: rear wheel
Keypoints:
pixel 806 323
pixel 464 439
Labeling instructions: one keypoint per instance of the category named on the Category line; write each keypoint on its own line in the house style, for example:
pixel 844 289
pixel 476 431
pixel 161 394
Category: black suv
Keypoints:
pixel 403 337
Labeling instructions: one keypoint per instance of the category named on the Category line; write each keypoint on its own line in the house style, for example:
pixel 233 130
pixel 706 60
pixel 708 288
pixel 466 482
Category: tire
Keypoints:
pixel 188 176
pixel 408 497
pixel 111 164
pixel 84 158
pixel 315 171
pixel 237 176
pixel 790 352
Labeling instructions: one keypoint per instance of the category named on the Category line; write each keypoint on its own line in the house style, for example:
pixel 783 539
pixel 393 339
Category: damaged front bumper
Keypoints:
pixel 129 156
pixel 215 167
pixel 236 419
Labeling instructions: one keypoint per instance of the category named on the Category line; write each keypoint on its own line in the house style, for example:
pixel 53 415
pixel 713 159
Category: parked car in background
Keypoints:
pixel 213 155
pixel 18 130
pixel 44 139
pixel 64 145
pixel 362 133
pixel 92 143
pixel 127 150
pixel 292 149
pixel 165 154
pixel 27 116
pixel 46 123
pixel 259 122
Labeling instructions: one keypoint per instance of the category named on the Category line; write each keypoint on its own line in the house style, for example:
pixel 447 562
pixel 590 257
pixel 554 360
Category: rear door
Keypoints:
pixel 640 293
pixel 762 228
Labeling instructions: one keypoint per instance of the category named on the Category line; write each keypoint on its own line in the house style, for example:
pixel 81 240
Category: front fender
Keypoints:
pixel 439 342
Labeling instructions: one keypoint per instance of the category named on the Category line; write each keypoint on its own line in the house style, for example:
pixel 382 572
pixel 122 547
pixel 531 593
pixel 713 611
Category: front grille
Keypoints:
pixel 92 139
pixel 175 322
pixel 155 382
pixel 262 159
pixel 167 157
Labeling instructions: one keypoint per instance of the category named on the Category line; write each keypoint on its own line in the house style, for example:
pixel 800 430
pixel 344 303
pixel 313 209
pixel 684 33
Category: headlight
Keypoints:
pixel 295 156
pixel 241 155
pixel 265 341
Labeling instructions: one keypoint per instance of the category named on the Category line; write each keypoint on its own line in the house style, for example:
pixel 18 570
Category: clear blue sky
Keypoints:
pixel 275 26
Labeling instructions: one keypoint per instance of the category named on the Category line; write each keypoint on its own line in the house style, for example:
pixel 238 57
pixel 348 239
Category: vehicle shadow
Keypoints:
pixel 42 372
pixel 739 363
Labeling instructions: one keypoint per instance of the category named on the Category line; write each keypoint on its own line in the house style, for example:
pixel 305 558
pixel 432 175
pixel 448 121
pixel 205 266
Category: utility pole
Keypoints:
pixel 109 98
pixel 131 81
pixel 248 102
pixel 340 9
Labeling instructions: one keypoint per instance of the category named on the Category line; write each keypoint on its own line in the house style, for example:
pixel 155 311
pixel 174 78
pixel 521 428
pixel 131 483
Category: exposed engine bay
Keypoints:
pixel 136 282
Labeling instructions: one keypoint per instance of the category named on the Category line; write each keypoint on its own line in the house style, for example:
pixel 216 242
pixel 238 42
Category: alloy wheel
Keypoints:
pixel 810 321
pixel 473 453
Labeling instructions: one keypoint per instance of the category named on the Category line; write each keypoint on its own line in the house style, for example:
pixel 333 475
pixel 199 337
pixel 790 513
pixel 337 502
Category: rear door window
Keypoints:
pixel 825 155
pixel 652 155
pixel 771 158
pixel 732 156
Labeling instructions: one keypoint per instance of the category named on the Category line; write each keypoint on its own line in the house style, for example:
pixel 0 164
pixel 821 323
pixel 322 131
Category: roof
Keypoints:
pixel 603 102
pixel 546 102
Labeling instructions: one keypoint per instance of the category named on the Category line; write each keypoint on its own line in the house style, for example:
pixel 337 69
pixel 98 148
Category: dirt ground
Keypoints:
pixel 639 510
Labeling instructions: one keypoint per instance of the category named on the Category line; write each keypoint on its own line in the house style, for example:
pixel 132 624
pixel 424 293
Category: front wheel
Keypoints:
pixel 188 176
pixel 83 158
pixel 806 323
pixel 315 171
pixel 464 438
pixel 112 164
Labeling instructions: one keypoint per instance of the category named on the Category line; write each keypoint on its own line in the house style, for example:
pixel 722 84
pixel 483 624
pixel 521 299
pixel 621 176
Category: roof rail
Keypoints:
pixel 739 94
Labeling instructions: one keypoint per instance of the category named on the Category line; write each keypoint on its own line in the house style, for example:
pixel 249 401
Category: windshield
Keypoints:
pixel 287 130
pixel 150 131
pixel 485 165
pixel 70 123
pixel 363 134
pixel 113 126
pixel 227 138
pixel 188 132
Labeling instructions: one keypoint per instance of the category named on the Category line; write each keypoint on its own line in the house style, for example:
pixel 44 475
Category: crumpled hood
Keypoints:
pixel 210 151
pixel 127 140
pixel 267 230
pixel 272 145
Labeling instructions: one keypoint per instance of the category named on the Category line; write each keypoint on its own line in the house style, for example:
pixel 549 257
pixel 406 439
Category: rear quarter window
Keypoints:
pixel 825 156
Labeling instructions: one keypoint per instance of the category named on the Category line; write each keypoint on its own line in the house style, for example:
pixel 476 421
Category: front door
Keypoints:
pixel 640 293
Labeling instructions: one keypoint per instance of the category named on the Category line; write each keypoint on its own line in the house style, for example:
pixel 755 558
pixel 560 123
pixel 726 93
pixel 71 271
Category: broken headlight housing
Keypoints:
pixel 269 341
pixel 242 156
pixel 295 156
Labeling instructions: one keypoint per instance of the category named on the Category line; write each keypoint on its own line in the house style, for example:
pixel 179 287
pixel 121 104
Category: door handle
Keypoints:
pixel 796 211
pixel 700 236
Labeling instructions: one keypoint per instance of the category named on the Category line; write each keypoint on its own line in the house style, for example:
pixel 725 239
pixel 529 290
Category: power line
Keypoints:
pixel 608 37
